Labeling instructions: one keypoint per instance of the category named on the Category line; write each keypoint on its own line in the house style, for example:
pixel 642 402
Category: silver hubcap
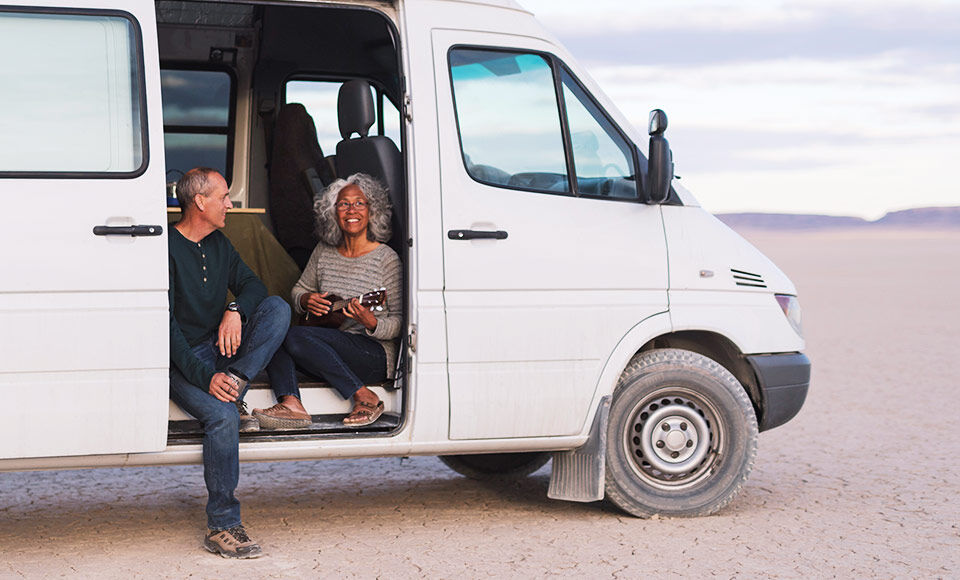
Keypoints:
pixel 672 438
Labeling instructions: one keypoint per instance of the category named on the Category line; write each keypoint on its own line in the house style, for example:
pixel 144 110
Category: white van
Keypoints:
pixel 565 297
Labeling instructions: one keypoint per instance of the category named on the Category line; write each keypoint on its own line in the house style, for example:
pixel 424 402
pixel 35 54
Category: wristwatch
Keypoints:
pixel 232 307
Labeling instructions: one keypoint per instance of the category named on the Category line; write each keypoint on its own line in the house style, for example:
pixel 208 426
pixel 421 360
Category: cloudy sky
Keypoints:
pixel 842 107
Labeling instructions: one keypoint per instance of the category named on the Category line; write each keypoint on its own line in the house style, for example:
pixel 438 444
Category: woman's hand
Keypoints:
pixel 361 314
pixel 315 303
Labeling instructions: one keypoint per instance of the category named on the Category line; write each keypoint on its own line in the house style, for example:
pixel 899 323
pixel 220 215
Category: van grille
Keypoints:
pixel 742 278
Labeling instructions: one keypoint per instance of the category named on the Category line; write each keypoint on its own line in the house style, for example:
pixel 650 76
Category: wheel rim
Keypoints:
pixel 673 438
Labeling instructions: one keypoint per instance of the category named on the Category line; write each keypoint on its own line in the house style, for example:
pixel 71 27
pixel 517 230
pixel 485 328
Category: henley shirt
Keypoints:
pixel 200 275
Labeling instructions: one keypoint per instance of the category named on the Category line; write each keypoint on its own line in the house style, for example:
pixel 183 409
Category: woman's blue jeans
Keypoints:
pixel 345 360
pixel 261 335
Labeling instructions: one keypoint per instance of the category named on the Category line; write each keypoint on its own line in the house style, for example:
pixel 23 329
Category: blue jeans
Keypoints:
pixel 261 335
pixel 345 360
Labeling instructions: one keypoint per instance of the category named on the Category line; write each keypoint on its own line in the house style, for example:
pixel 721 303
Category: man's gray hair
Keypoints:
pixel 325 206
pixel 196 181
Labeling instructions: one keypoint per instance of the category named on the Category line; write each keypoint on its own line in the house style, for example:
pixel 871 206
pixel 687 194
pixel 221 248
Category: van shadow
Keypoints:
pixel 70 507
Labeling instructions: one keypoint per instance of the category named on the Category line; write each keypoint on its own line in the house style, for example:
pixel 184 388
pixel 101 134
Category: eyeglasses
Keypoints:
pixel 345 205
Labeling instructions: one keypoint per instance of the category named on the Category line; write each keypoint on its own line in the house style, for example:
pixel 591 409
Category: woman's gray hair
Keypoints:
pixel 378 229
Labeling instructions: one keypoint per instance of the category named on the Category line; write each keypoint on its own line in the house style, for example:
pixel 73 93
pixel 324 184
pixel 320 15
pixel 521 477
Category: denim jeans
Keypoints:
pixel 260 337
pixel 345 360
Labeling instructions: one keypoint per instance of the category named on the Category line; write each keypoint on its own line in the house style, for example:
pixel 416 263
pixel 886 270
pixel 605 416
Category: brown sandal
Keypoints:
pixel 363 414
pixel 279 417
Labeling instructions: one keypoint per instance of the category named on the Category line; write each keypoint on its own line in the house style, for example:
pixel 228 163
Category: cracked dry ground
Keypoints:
pixel 862 483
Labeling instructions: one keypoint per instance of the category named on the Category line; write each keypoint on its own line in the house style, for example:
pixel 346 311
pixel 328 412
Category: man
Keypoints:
pixel 214 350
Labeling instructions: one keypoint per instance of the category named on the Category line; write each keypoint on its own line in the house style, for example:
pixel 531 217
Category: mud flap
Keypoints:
pixel 578 474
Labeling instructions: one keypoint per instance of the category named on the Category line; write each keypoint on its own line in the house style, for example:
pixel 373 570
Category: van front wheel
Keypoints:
pixel 496 466
pixel 681 436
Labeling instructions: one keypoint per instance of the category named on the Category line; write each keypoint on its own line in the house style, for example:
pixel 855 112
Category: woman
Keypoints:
pixel 352 259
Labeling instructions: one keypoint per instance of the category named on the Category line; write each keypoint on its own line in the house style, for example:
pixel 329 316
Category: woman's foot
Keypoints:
pixel 367 408
pixel 287 414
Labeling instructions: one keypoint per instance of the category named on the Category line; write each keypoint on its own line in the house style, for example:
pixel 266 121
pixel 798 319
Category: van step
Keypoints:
pixel 189 431
pixel 318 397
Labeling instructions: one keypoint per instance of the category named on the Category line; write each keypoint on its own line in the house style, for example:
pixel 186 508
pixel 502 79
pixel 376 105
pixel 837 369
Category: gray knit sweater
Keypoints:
pixel 329 271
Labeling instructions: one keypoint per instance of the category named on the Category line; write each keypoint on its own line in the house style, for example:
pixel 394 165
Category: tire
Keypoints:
pixel 681 436
pixel 496 466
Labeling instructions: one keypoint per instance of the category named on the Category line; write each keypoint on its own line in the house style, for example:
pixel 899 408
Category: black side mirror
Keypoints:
pixel 660 162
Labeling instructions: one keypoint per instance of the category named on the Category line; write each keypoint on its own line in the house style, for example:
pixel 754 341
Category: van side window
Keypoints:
pixel 89 62
pixel 319 97
pixel 197 107
pixel 509 120
pixel 602 158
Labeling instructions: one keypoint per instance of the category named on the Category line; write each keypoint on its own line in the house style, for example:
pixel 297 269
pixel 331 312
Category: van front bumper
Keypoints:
pixel 784 380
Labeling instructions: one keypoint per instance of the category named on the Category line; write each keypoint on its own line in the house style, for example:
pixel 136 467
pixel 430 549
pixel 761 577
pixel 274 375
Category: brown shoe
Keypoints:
pixel 279 417
pixel 232 543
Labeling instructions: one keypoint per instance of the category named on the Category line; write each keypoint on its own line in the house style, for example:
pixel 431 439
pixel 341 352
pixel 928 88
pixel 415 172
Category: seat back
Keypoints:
pixel 377 156
pixel 298 171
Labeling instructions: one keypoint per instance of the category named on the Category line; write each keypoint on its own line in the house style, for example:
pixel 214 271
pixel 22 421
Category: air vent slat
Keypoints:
pixel 744 278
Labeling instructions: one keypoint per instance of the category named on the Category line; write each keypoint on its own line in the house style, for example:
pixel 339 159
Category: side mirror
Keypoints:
pixel 660 162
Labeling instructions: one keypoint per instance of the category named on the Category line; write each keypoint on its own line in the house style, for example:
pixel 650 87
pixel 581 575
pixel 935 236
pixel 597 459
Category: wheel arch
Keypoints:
pixel 718 348
pixel 657 332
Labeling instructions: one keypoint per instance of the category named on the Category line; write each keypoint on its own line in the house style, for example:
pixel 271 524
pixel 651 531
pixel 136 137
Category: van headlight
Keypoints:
pixel 791 309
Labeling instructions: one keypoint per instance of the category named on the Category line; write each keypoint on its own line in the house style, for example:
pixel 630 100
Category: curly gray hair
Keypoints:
pixel 324 205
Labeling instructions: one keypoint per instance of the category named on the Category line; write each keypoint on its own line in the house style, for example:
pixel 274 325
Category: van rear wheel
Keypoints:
pixel 496 466
pixel 681 436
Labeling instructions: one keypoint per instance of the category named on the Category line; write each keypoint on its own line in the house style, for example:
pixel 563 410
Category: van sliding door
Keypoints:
pixel 83 270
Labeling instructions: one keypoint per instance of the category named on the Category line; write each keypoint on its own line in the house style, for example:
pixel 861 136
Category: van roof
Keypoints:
pixel 511 4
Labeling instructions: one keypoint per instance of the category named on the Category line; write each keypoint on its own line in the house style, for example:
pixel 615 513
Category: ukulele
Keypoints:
pixel 335 317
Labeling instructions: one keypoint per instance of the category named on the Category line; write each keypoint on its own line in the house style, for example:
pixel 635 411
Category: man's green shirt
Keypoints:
pixel 200 275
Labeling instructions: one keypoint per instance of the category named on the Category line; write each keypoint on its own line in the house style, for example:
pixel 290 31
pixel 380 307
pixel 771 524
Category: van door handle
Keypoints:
pixel 127 230
pixel 476 235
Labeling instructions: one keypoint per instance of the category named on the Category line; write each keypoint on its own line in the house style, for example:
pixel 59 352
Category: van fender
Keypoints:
pixel 579 474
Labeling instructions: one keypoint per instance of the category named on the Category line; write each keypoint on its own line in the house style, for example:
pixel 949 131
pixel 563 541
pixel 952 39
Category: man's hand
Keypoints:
pixel 228 337
pixel 224 388
pixel 358 312
pixel 315 303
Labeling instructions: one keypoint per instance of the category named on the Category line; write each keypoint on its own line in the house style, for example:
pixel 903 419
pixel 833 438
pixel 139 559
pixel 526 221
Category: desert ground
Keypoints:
pixel 863 483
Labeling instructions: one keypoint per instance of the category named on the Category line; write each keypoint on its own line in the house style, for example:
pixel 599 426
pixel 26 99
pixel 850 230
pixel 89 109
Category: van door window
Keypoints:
pixel 197 109
pixel 509 121
pixel 72 94
pixel 319 97
pixel 603 159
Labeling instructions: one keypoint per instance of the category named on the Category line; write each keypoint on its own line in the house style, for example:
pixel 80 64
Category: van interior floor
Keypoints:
pixel 184 429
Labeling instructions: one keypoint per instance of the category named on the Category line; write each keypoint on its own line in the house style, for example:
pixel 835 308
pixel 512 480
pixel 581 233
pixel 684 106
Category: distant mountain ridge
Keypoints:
pixel 922 217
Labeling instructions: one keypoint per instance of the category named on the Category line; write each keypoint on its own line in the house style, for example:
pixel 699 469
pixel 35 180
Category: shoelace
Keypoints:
pixel 242 407
pixel 239 533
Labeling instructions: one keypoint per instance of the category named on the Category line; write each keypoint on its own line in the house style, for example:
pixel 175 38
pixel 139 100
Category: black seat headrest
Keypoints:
pixel 355 108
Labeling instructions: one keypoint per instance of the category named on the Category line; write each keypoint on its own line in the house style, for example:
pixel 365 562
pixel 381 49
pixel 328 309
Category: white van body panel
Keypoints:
pixel 706 257
pixel 686 196
pixel 86 332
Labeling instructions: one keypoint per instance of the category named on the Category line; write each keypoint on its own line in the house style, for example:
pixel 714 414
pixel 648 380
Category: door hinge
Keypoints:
pixel 412 338
pixel 406 108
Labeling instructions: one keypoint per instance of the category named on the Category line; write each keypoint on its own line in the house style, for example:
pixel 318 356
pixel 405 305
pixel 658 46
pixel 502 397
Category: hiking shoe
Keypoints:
pixel 248 423
pixel 279 417
pixel 232 543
